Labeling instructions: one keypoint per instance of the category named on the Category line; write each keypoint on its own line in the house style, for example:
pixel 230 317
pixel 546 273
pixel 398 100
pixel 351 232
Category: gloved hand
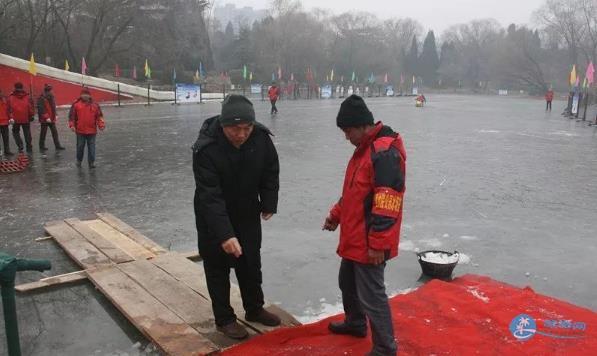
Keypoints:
pixel 11 121
pixel 49 121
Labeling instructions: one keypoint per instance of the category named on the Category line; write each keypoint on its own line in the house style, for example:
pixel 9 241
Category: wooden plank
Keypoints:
pixel 108 248
pixel 76 246
pixel 120 240
pixel 193 276
pixel 190 306
pixel 158 323
pixel 53 281
pixel 132 233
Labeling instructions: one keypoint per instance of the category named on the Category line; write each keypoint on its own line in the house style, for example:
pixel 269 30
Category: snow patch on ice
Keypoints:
pixel 466 237
pixel 446 235
pixel 563 133
pixel 478 294
pixel 488 131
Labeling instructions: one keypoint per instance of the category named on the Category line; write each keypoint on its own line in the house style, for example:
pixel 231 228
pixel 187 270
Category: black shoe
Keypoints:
pixel 78 164
pixel 264 317
pixel 233 330
pixel 29 149
pixel 43 149
pixel 60 148
pixel 343 329
pixel 92 165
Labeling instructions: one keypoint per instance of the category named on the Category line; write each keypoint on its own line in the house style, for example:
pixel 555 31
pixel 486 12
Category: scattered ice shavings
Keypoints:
pixel 478 294
pixel 440 258
pixel 528 274
pixel 446 235
pixel 464 259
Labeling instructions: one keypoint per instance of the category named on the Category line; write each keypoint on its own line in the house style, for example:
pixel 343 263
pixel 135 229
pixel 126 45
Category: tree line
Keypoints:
pixel 179 34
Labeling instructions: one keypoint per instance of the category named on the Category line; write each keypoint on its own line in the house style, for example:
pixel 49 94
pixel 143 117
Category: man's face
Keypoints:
pixel 85 97
pixel 354 134
pixel 238 134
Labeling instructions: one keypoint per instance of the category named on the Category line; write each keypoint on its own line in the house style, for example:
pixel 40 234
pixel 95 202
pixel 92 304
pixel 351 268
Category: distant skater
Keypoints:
pixel 274 94
pixel 548 99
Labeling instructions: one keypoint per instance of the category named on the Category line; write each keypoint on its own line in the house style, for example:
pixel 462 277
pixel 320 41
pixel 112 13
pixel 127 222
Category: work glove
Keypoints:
pixel 49 121
pixel 11 121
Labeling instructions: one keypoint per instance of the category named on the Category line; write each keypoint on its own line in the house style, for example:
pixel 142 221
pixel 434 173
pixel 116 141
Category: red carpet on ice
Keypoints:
pixel 470 315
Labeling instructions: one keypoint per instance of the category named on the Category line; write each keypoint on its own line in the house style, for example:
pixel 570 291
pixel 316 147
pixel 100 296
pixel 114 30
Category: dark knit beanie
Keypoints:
pixel 354 113
pixel 236 109
pixel 18 86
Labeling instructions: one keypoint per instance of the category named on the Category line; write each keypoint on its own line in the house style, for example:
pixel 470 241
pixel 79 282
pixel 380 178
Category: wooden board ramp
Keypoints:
pixel 163 294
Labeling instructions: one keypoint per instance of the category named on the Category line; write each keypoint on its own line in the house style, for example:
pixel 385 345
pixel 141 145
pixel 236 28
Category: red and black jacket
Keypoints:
pixel 46 108
pixel 370 210
pixel 85 117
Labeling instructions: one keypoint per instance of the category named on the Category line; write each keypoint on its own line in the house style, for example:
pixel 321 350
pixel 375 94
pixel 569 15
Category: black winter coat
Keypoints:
pixel 233 186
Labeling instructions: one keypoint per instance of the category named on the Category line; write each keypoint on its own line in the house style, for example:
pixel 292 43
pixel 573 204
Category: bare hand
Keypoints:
pixel 232 247
pixel 376 257
pixel 266 216
pixel 72 129
pixel 330 224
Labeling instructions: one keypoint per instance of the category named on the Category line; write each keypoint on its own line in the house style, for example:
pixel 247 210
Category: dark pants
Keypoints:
pixel 88 140
pixel 274 108
pixel 247 267
pixel 5 137
pixel 16 132
pixel 548 105
pixel 43 132
pixel 364 296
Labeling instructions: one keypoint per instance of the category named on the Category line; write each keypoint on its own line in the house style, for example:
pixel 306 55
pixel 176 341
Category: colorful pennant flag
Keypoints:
pixel 292 77
pixel 245 72
pixel 117 71
pixel 83 66
pixel 32 66
pixel 354 75
pixel 134 72
pixel 573 76
pixel 174 75
pixel 66 66
pixel 197 76
pixel 279 73
pixel 385 79
pixel 251 76
pixel 332 75
pixel 590 74
pixel 147 70
pixel 202 72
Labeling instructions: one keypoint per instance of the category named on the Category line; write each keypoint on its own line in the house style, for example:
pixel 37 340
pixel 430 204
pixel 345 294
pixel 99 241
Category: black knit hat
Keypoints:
pixel 18 86
pixel 236 109
pixel 354 113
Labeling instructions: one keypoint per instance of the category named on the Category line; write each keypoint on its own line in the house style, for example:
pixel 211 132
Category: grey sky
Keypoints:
pixel 433 14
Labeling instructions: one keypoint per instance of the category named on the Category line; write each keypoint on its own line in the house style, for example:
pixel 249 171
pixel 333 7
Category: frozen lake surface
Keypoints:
pixel 512 188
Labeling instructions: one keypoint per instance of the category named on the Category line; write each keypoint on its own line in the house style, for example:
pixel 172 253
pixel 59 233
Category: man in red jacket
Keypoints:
pixel 273 93
pixel 20 109
pixel 370 215
pixel 84 118
pixel 46 112
pixel 4 122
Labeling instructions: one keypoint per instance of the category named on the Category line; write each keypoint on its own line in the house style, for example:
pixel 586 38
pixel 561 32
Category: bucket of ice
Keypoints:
pixel 438 264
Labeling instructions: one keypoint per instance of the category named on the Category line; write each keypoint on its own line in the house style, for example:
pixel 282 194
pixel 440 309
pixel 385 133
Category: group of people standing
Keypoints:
pixel 236 168
pixel 19 110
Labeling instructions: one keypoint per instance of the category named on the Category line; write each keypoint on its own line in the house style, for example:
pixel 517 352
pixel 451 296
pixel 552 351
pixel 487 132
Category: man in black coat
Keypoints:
pixel 237 181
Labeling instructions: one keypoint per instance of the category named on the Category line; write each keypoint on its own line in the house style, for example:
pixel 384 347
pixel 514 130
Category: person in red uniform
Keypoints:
pixel 20 109
pixel 274 94
pixel 548 99
pixel 369 214
pixel 46 112
pixel 84 118
pixel 4 122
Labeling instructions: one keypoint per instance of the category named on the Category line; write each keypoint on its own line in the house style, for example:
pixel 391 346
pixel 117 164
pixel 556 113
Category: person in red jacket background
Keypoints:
pixel 4 122
pixel 548 99
pixel 46 112
pixel 20 109
pixel 84 118
pixel 370 215
pixel 274 94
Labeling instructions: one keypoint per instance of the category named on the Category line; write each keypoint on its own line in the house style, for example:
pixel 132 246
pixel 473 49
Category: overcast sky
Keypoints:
pixel 433 14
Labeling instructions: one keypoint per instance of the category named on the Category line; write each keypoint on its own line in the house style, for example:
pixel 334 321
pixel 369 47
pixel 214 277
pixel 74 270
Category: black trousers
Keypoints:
pixel 43 132
pixel 16 132
pixel 217 265
pixel 5 136
pixel 274 108
pixel 548 105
